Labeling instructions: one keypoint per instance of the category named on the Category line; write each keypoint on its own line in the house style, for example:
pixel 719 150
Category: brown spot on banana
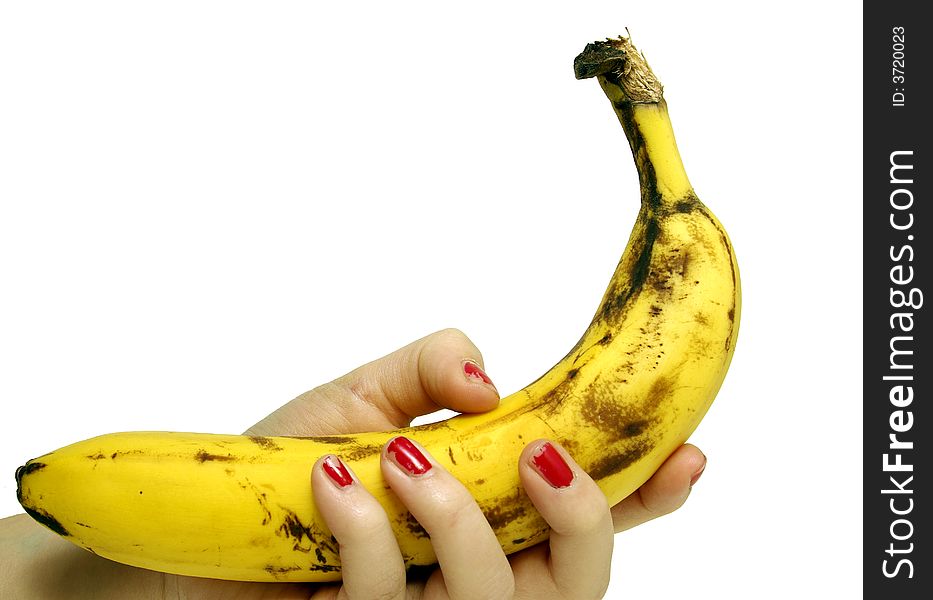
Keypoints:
pixel 411 524
pixel 617 461
pixel 264 443
pixel 660 390
pixel 48 520
pixel 203 456
pixel 615 418
pixel 279 572
pixel 329 439
pixel 263 501
pixel 294 529
pixel 504 511
pixel 360 452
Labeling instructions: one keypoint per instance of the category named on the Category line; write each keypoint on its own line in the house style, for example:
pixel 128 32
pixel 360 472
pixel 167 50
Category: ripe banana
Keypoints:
pixel 628 394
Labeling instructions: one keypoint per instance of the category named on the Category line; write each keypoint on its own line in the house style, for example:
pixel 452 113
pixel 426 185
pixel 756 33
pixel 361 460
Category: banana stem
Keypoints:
pixel 638 101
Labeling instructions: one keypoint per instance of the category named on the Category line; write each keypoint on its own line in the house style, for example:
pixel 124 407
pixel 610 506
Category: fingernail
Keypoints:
pixel 550 465
pixel 472 370
pixel 696 476
pixel 337 471
pixel 407 456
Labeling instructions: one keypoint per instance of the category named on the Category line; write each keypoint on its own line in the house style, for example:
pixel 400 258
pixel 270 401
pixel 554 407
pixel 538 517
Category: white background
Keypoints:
pixel 208 208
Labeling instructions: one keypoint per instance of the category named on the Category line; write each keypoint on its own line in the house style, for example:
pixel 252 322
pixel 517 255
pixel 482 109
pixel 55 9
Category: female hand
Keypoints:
pixel 442 370
pixel 419 379
pixel 574 563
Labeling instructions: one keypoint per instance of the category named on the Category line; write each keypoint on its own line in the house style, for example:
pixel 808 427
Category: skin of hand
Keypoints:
pixel 442 370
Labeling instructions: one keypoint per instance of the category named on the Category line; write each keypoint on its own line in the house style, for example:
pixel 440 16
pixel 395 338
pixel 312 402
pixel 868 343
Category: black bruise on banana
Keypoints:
pixel 619 420
pixel 203 456
pixel 265 443
pixel 504 514
pixel 631 425
pixel 615 305
pixel 360 451
pixel 114 455
pixel 535 537
pixel 353 451
pixel 509 509
pixel 280 573
pixel 414 527
pixel 329 439
pixel 48 520
pixel 613 463
pixel 262 498
pixel 292 528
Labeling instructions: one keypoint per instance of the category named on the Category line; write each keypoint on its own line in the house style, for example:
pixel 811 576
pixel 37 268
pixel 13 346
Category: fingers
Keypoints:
pixel 578 514
pixel 575 563
pixel 371 564
pixel 442 370
pixel 469 555
pixel 665 492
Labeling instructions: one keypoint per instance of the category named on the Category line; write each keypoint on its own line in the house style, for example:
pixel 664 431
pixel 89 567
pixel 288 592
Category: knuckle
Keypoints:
pixel 456 507
pixel 451 333
pixel 586 517
pixel 390 588
pixel 660 505
pixel 592 520
pixel 363 525
pixel 452 338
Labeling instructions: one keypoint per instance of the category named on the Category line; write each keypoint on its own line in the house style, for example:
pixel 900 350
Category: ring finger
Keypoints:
pixel 371 564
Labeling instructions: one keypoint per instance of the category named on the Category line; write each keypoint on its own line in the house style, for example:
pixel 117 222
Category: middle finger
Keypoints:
pixel 471 559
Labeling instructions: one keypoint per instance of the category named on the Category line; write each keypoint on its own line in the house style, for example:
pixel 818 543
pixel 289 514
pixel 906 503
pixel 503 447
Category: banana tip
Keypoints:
pixel 30 467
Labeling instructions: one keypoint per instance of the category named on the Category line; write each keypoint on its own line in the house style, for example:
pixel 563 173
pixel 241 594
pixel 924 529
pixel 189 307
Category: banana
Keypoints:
pixel 629 393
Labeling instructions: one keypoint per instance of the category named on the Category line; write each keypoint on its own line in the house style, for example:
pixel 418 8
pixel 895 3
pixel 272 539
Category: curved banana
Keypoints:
pixel 621 401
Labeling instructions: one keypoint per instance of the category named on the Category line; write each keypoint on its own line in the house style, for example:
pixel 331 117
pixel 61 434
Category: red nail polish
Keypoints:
pixel 696 476
pixel 472 370
pixel 406 455
pixel 336 470
pixel 548 462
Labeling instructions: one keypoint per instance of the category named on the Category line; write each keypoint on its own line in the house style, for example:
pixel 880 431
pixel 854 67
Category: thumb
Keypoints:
pixel 442 370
